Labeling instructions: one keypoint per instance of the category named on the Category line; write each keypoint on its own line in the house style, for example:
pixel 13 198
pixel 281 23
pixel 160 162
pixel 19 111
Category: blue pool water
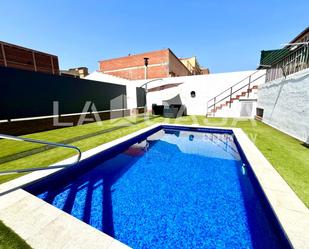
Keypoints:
pixel 177 189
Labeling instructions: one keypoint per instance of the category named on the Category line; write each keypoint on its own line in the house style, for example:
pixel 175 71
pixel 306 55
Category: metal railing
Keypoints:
pixel 227 94
pixel 22 139
pixel 296 60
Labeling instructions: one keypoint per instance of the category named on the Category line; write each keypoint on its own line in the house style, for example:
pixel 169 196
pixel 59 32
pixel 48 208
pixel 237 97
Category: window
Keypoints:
pixel 193 94
pixel 259 113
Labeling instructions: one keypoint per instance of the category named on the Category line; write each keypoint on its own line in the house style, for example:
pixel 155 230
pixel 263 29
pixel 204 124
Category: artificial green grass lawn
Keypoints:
pixel 288 155
pixel 9 240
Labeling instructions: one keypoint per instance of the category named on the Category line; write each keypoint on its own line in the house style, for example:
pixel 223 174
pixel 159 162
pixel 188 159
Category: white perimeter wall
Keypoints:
pixel 205 87
pixel 286 104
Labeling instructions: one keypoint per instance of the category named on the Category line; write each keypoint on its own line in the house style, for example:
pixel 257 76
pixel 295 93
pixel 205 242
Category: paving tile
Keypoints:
pixel 27 216
pixel 116 244
pixel 68 232
pixel 288 200
pixel 296 225
pixel 11 198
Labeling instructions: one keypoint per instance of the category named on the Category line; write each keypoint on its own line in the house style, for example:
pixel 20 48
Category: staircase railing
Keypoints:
pixel 229 92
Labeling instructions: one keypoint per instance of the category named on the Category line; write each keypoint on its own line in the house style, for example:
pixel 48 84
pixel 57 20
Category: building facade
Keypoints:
pixel 192 64
pixel 302 37
pixel 283 100
pixel 294 57
pixel 77 72
pixel 205 71
pixel 161 64
pixel 28 59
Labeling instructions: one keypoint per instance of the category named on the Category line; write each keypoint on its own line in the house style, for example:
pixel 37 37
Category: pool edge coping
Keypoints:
pixel 290 211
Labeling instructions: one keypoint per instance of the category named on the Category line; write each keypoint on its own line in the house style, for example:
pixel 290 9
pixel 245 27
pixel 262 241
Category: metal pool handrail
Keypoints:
pixel 22 139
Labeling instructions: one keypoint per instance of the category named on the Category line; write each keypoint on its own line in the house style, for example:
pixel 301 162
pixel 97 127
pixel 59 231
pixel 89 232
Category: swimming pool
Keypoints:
pixel 171 187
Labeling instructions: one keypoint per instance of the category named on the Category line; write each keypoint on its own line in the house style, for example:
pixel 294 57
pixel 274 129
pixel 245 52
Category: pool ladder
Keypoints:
pixel 22 139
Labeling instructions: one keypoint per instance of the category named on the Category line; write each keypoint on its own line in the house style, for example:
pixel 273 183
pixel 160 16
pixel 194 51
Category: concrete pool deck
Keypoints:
pixel 42 225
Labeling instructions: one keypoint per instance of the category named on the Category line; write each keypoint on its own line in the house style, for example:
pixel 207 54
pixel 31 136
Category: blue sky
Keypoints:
pixel 225 35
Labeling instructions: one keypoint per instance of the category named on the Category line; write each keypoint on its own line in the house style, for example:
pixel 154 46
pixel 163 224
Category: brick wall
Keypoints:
pixel 156 57
pixel 162 63
pixel 139 73
pixel 176 67
pixel 23 58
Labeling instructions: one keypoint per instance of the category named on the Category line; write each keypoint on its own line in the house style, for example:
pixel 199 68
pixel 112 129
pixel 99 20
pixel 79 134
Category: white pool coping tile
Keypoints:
pixel 44 226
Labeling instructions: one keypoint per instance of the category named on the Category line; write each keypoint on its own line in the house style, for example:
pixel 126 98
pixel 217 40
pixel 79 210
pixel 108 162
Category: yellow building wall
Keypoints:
pixel 192 64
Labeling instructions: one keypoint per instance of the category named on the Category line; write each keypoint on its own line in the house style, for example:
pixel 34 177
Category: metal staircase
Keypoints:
pixel 241 89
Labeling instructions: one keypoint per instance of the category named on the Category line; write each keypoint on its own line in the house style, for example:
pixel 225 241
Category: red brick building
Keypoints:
pixel 28 59
pixel 162 63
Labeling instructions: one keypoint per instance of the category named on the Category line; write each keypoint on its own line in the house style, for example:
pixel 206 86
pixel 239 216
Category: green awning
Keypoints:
pixel 271 57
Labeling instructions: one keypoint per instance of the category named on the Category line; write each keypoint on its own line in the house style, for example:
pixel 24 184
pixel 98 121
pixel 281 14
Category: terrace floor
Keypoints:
pixel 289 156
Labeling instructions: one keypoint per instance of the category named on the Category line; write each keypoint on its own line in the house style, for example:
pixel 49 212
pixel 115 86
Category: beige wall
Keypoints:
pixel 192 64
